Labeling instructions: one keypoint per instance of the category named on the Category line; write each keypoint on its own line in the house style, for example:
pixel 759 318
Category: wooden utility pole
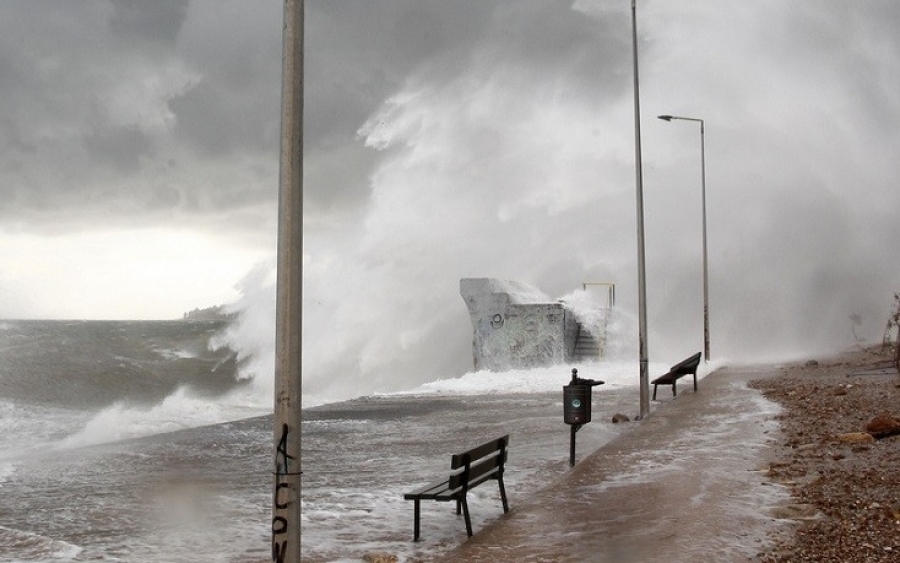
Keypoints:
pixel 289 298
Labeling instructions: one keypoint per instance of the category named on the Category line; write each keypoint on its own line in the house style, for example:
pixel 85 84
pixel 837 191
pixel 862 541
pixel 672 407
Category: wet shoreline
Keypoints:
pixel 845 505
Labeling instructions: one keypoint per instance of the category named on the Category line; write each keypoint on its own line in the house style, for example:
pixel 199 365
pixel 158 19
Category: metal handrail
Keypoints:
pixel 610 292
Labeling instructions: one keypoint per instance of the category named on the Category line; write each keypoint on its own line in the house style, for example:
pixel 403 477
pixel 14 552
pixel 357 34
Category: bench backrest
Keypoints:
pixel 478 464
pixel 688 365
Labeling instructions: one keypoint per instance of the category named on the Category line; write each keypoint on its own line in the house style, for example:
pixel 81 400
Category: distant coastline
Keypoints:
pixel 215 313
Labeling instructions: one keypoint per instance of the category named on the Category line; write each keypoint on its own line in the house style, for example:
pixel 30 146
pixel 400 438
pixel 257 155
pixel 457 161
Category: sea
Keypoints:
pixel 140 441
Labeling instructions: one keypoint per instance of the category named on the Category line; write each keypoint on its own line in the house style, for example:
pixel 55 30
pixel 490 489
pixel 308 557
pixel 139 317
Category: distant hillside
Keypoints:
pixel 216 313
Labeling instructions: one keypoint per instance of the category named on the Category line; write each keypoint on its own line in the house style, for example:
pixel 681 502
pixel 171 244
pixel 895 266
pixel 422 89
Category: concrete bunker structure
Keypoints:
pixel 516 326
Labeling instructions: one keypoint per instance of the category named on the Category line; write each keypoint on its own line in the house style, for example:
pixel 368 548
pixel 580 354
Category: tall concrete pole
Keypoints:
pixel 289 297
pixel 642 277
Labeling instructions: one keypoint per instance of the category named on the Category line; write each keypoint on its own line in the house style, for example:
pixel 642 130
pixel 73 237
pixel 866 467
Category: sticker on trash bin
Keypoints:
pixel 576 403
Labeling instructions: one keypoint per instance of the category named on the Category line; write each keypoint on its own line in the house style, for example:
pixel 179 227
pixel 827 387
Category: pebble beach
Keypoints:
pixel 845 482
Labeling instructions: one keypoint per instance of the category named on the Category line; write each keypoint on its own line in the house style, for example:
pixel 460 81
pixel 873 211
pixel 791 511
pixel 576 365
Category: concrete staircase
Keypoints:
pixel 586 347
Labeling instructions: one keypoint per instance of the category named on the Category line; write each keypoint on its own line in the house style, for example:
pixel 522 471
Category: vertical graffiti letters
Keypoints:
pixel 280 523
pixel 282 454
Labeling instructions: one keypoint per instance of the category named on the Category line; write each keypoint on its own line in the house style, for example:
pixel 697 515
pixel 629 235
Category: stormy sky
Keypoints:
pixel 447 139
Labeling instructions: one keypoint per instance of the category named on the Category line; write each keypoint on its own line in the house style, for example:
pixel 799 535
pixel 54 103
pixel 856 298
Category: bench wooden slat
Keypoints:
pixel 486 473
pixel 428 491
pixel 485 466
pixel 481 451
pixel 689 363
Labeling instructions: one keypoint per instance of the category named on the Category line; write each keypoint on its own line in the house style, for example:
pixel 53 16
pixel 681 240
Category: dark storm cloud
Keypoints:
pixel 157 21
pixel 127 97
pixel 57 62
pixel 234 107
pixel 106 102
pixel 120 148
pixel 205 121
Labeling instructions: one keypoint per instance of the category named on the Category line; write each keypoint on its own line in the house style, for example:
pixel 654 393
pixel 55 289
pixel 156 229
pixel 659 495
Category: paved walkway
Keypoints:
pixel 686 485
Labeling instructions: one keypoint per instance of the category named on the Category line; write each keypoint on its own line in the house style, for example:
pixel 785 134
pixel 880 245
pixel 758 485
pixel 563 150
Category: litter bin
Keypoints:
pixel 577 403
pixel 577 407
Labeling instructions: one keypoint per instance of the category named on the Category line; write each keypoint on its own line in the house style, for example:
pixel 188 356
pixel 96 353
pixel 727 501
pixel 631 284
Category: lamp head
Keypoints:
pixel 666 117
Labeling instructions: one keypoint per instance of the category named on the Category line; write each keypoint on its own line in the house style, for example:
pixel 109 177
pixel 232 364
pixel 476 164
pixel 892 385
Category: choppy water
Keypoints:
pixel 133 441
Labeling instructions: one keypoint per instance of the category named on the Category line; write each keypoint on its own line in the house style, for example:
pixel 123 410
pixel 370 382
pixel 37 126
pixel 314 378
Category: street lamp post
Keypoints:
pixel 703 196
pixel 639 189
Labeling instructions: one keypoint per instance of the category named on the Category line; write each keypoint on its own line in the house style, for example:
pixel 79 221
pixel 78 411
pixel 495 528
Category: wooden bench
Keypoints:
pixel 685 367
pixel 467 471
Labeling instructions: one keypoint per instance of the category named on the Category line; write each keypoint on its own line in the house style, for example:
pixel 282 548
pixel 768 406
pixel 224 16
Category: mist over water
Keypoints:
pixel 511 155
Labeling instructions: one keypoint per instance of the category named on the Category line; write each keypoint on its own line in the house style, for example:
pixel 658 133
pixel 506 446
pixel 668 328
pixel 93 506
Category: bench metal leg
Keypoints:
pixel 654 391
pixel 465 506
pixel 416 520
pixel 503 494
pixel 458 507
pixel 674 393
pixel 695 382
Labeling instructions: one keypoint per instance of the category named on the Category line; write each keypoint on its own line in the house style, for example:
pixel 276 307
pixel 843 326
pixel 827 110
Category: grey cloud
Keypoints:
pixel 121 148
pixel 235 47
pixel 85 87
pixel 156 21
pixel 591 53
pixel 358 54
pixel 205 122
pixel 12 140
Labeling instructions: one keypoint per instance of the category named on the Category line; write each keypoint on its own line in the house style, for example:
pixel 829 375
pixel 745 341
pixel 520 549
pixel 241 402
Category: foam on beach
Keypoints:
pixel 614 374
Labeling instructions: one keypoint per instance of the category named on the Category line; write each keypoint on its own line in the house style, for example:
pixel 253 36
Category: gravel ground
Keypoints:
pixel 846 485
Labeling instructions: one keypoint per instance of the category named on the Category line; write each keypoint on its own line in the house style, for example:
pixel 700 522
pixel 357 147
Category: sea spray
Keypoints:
pixel 71 384
pixel 617 326
pixel 251 334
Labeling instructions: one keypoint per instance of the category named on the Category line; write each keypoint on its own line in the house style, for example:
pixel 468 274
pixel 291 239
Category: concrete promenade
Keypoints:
pixel 686 485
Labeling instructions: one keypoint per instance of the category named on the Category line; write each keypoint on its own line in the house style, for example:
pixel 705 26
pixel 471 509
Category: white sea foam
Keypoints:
pixel 6 471
pixel 30 547
pixel 177 353
pixel 614 374
pixel 182 410
pixel 593 314
pixel 29 428
pixel 178 411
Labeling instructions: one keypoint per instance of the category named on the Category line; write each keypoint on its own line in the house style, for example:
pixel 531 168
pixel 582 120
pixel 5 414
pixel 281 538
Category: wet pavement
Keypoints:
pixel 687 484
